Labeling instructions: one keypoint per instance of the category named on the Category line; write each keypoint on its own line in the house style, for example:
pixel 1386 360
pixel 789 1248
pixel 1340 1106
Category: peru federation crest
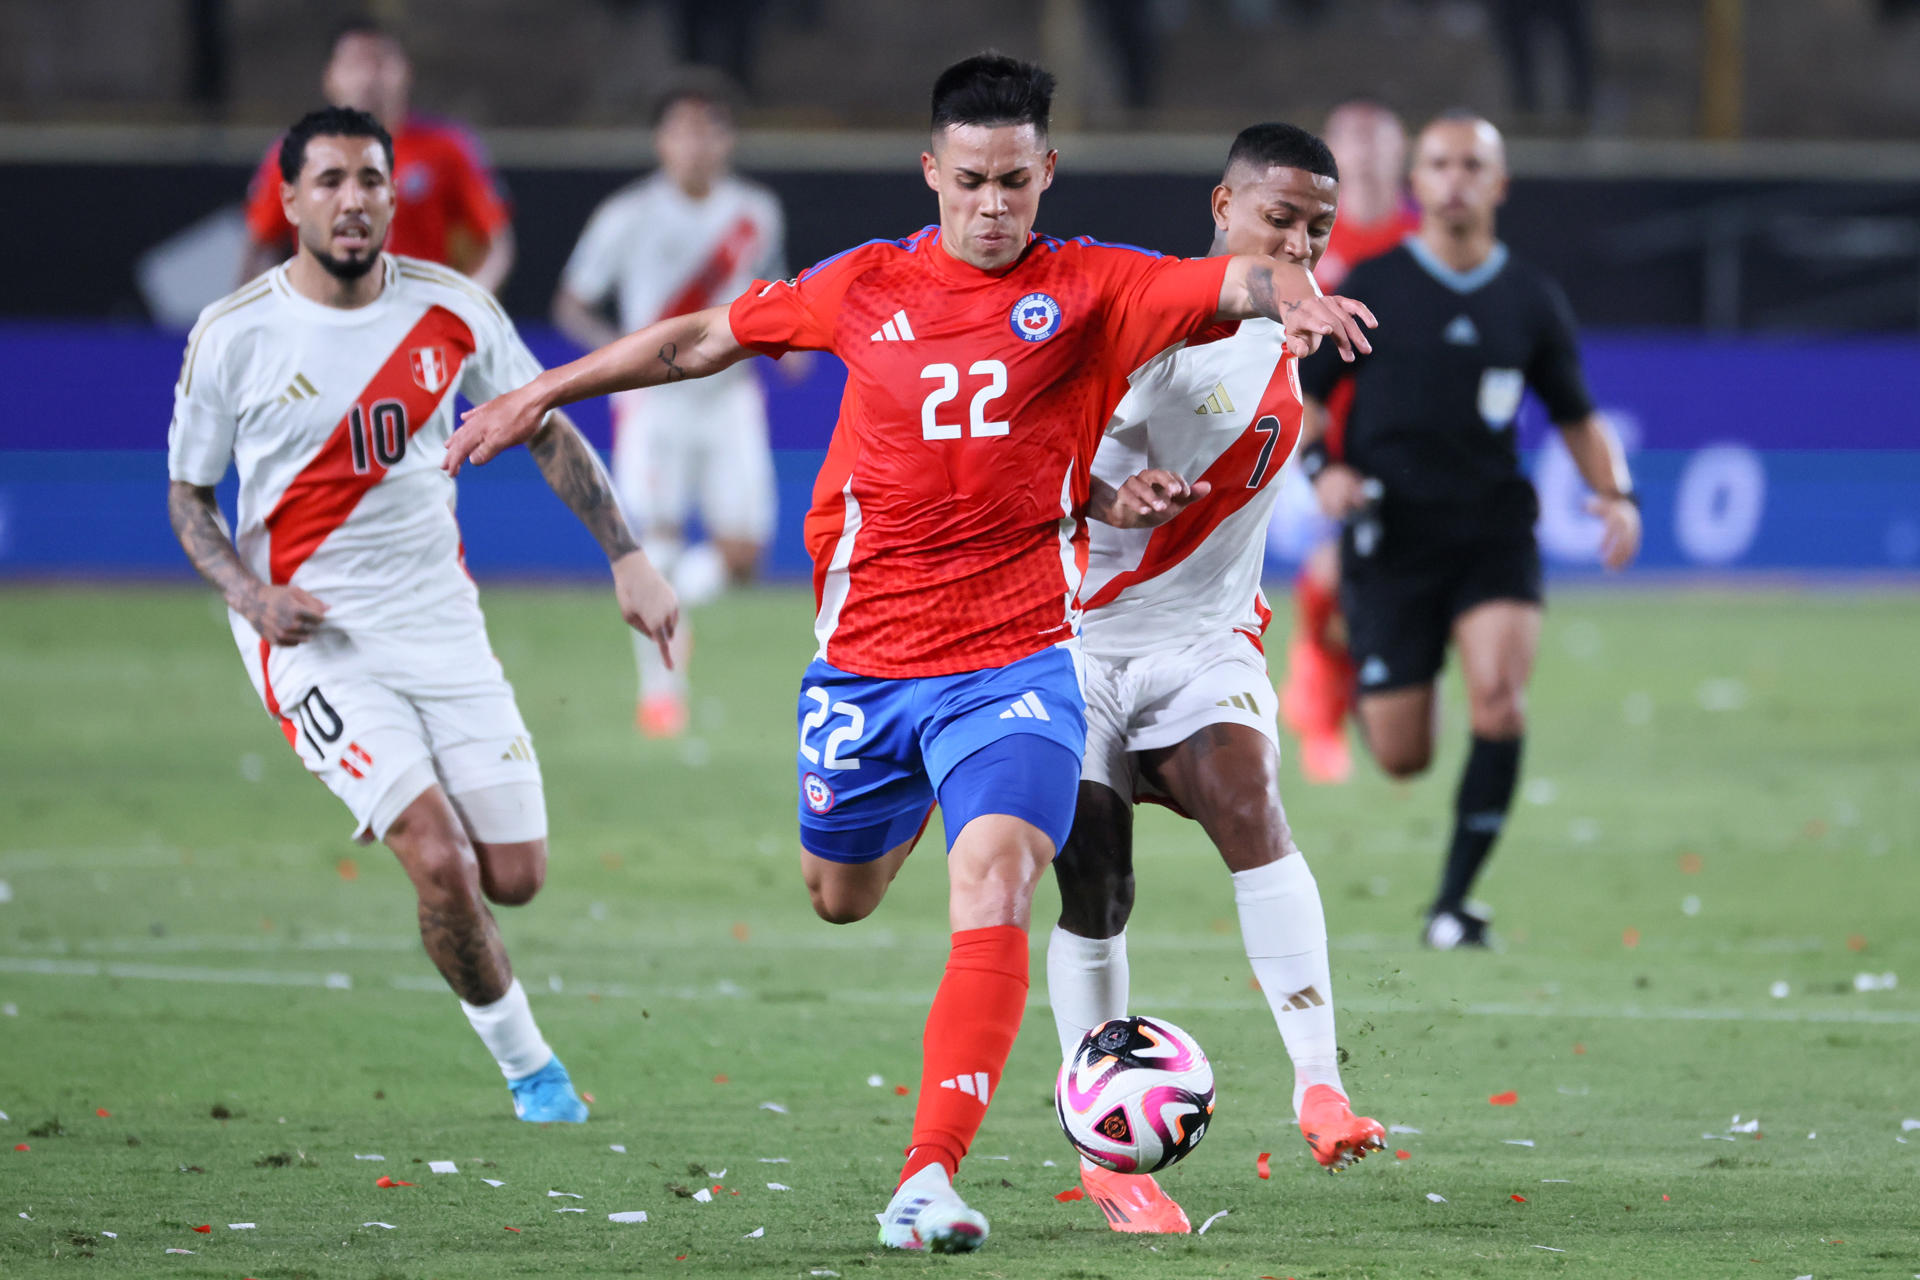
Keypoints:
pixel 429 368
pixel 1036 317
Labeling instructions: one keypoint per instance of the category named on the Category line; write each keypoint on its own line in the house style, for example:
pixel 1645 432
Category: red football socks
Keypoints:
pixel 970 1030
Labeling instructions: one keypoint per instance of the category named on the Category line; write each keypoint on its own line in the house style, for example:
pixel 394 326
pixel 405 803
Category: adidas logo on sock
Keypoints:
pixel 1026 707
pixel 974 1086
pixel 1305 998
pixel 894 330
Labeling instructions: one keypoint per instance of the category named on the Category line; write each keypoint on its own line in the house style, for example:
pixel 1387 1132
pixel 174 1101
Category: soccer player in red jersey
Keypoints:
pixel 1370 144
pixel 448 206
pixel 983 362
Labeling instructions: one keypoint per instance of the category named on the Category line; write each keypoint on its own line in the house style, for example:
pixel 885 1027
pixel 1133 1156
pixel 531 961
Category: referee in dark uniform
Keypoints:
pixel 1438 542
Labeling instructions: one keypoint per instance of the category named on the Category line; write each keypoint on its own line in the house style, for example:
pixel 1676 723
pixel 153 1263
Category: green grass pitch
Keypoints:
pixel 206 1021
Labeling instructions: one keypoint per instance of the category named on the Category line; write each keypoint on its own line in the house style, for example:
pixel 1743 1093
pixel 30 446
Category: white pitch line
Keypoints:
pixel 708 992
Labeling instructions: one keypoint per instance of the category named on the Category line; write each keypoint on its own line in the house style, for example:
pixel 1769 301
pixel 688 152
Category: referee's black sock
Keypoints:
pixel 1479 811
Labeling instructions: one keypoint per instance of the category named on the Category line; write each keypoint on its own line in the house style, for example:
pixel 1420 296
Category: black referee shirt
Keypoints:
pixel 1434 406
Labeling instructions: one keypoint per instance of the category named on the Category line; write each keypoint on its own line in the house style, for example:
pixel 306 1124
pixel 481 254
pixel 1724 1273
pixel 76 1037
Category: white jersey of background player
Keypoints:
pixel 1179 706
pixel 689 236
pixel 329 385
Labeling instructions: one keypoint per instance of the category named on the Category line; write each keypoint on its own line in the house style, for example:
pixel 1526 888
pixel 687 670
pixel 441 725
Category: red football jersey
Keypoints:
pixel 441 189
pixel 945 528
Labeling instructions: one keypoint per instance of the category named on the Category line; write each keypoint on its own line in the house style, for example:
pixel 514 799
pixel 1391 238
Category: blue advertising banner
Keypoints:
pixel 1752 455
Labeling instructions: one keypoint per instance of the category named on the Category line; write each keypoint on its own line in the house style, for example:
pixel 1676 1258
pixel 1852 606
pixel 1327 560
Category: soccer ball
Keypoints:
pixel 1136 1095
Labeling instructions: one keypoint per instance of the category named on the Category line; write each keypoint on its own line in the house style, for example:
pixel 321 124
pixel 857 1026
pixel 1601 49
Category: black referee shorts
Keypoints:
pixel 1400 610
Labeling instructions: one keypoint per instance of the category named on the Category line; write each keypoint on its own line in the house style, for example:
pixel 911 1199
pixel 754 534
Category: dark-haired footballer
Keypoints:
pixel 328 384
pixel 1179 707
pixel 1448 554
pixel 949 539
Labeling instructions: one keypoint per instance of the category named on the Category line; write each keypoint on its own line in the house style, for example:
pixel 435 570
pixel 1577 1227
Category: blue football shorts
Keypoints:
pixel 875 754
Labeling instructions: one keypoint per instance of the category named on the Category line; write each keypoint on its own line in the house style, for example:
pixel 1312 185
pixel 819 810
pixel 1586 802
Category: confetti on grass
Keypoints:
pixel 555 1195
pixel 493 1182
pixel 384 1181
pixel 778 1186
pixel 1071 1193
pixel 774 1107
pixel 1436 1197
pixel 1263 1166
pixel 628 1215
pixel 369 1157
pixel 1518 1142
pixel 443 1166
pixel 204 1229
pixel 704 1196
pixel 1403 1155
pixel 1210 1221
pixel 1402 1128
pixel 384 1226
pixel 179 1251
pixel 1509 1098
pixel 240 1226
pixel 754 1234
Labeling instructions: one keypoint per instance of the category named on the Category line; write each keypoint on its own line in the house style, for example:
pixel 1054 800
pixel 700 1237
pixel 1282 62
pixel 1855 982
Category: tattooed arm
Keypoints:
pixel 1285 293
pixel 573 471
pixel 283 615
pixel 696 345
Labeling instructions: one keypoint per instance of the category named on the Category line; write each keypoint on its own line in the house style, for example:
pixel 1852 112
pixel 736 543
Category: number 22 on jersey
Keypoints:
pixel 994 373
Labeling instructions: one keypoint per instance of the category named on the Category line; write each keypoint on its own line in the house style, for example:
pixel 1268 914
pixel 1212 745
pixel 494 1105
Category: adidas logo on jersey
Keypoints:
pixel 974 1086
pixel 895 330
pixel 1026 707
pixel 1461 331
pixel 1218 402
pixel 298 389
pixel 1240 701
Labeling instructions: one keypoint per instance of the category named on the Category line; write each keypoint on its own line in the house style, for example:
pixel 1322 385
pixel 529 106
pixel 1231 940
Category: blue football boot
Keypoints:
pixel 547 1096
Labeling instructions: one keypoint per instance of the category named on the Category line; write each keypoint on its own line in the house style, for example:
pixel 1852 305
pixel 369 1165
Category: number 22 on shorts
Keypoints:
pixel 843 734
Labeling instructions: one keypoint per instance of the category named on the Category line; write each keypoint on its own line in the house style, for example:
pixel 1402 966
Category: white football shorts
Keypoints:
pixel 1162 699
pixel 379 721
pixel 679 449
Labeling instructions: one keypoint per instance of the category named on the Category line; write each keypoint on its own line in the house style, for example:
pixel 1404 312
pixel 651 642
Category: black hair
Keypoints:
pixel 992 88
pixel 329 122
pixel 1282 146
pixel 698 84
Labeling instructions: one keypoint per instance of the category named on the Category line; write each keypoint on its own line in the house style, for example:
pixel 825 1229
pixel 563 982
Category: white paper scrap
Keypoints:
pixel 1518 1142
pixel 6 891
pixel 628 1215
pixel 1909 1125
pixel 493 1182
pixel 369 1157
pixel 775 1160
pixel 554 1195
pixel 386 1226
pixel 3 1115
pixel 1402 1128
pixel 1812 1136
pixel 703 1195
pixel 778 1186
pixel 993 1157
pixel 1744 1126
pixel 773 1106
pixel 754 1234
pixel 1549 1248
pixel 1556 1180
pixel 11 1009
pixel 26 1217
pixel 617 1147
pixel 179 1251
pixel 716 1176
pixel 875 1081
pixel 443 1166
pixel 1780 991
pixel 1210 1221
pixel 1436 1197
pixel 239 1226
pixel 111 1235
pixel 567 1208
pixel 822 1271
pixel 1048 1164
pixel 1717 1137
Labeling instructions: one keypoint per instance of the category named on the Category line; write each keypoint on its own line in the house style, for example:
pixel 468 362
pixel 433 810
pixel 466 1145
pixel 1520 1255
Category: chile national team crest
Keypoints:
pixel 819 795
pixel 1036 317
pixel 429 368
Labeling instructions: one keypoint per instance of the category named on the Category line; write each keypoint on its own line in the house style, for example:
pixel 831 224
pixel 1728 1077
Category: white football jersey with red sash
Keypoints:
pixel 1228 412
pixel 337 421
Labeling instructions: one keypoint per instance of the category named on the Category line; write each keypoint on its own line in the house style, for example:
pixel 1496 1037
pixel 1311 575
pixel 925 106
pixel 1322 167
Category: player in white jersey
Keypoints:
pixel 329 385
pixel 690 235
pixel 1179 706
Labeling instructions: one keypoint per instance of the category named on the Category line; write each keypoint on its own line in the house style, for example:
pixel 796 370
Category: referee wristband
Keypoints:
pixel 1315 458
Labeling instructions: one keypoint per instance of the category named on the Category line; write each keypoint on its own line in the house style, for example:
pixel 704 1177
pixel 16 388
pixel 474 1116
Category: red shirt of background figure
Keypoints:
pixel 446 207
pixel 944 527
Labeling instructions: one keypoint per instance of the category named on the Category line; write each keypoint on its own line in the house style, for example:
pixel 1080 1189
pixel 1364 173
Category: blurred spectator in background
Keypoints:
pixel 1519 23
pixel 691 235
pixel 449 206
pixel 1370 145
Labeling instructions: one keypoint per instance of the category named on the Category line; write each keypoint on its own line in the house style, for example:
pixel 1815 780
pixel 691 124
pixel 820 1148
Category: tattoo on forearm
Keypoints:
pixel 203 535
pixel 574 473
pixel 465 947
pixel 667 353
pixel 1260 290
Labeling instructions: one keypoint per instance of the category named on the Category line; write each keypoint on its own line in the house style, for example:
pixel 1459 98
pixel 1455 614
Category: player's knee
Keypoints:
pixel 1095 902
pixel 1403 760
pixel 842 904
pixel 512 881
pixel 1499 711
pixel 445 873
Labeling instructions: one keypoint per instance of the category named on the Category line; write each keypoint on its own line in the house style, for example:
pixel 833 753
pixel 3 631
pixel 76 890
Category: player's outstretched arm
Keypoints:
pixel 283 615
pixel 1285 293
pixel 695 345
pixel 1142 501
pixel 574 473
pixel 1603 465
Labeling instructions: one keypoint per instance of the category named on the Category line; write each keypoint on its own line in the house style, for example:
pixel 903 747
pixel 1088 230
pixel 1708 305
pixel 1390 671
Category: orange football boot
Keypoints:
pixel 661 715
pixel 1134 1201
pixel 1336 1136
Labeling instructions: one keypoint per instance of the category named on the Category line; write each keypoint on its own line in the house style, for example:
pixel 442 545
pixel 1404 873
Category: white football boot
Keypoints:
pixel 926 1213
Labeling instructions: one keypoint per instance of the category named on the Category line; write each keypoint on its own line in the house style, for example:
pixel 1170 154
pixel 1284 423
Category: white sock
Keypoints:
pixel 1285 931
pixel 507 1028
pixel 699 575
pixel 1086 984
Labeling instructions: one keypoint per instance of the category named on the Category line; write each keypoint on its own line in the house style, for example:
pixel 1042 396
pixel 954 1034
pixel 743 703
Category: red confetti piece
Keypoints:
pixel 679 1257
pixel 902 1090
pixel 1403 1155
pixel 1630 937
pixel 716 1187
pixel 205 1229
pixel 515 1230
pixel 1071 1193
pixel 1666 1197
pixel 348 869
pixel 1507 1099
pixel 1517 1198
pixel 102 1112
pixel 384 1181
pixel 740 931
pixel 21 1146
pixel 1578 1047
pixel 1262 1165
pixel 721 1078
pixel 586 1097
pixel 1856 942
pixel 1690 864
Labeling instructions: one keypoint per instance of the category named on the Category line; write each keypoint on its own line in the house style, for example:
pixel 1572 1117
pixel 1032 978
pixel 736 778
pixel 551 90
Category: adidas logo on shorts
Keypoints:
pixel 1026 707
